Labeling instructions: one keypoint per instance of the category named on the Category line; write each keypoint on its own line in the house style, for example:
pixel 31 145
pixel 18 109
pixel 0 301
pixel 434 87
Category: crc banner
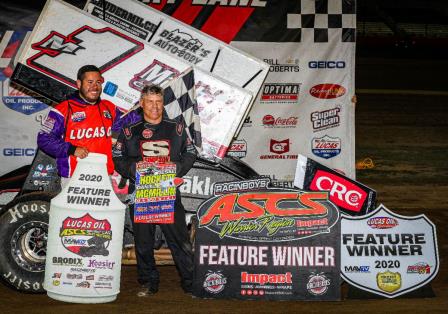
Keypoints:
pixel 275 244
pixel 304 106
pixel 388 254
pixel 351 197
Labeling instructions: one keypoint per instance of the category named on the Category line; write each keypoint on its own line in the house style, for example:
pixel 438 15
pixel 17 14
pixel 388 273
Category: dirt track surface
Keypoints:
pixel 406 137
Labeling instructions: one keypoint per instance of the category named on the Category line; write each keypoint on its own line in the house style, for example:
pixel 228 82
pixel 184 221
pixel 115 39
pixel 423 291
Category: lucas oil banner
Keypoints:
pixel 388 254
pixel 275 244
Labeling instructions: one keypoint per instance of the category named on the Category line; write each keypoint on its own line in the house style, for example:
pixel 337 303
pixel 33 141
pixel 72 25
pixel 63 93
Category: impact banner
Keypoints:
pixel 275 244
pixel 388 254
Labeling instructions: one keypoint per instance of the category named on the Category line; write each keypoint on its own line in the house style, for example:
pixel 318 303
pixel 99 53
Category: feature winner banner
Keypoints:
pixel 275 244
pixel 388 254
pixel 304 106
pixel 57 48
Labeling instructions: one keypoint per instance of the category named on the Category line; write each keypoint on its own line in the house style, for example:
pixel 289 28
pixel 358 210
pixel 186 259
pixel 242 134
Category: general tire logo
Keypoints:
pixel 86 236
pixel 78 48
pixel 279 147
pixel 399 259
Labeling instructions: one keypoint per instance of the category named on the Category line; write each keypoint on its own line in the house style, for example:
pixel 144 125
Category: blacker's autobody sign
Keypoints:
pixel 58 47
pixel 388 254
pixel 268 244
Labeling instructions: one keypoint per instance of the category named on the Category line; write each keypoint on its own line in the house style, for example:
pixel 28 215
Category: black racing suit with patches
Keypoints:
pixel 145 139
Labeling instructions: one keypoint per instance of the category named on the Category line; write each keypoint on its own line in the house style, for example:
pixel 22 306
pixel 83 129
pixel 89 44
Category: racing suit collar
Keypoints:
pixel 75 97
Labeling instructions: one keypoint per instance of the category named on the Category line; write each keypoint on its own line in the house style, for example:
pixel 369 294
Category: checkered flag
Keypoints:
pixel 180 105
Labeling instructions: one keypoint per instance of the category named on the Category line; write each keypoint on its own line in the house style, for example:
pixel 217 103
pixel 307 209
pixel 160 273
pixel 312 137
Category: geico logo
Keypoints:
pixel 156 148
pixel 339 190
pixel 326 64
pixel 90 133
pixel 18 151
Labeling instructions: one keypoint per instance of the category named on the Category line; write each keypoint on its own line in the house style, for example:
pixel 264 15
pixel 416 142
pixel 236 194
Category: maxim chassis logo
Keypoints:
pixel 73 50
pixel 182 45
pixel 154 74
pixel 268 215
pixel 86 236
pixel 280 93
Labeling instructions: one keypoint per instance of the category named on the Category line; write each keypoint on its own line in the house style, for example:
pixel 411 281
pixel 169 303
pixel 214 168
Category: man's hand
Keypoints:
pixel 81 152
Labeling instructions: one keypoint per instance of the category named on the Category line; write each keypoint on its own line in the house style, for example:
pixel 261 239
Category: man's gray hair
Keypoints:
pixel 152 89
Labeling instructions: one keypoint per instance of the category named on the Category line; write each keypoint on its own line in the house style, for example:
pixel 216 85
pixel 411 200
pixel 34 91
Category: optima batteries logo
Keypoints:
pixel 280 93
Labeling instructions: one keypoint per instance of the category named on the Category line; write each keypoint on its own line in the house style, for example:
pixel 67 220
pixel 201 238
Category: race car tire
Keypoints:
pixel 24 231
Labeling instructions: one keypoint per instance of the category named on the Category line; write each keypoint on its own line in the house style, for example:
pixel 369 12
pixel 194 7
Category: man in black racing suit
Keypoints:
pixel 157 136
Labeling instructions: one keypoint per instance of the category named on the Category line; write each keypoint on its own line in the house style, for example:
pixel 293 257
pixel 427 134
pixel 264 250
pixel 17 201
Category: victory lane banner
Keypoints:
pixel 155 192
pixel 388 254
pixel 275 244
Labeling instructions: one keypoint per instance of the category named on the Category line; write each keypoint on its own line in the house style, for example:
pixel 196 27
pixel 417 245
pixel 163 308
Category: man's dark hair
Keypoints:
pixel 152 89
pixel 86 68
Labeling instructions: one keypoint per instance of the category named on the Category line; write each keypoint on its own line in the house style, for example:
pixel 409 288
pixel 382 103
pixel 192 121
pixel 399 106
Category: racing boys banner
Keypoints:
pixel 275 244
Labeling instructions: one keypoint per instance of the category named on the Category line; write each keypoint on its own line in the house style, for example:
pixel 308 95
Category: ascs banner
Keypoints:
pixel 275 244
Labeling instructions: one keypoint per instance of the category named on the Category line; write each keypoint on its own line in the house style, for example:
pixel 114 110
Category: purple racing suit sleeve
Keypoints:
pixel 122 120
pixel 50 138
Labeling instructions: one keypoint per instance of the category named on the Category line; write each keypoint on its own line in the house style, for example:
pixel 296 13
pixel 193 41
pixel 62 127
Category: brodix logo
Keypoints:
pixel 261 215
